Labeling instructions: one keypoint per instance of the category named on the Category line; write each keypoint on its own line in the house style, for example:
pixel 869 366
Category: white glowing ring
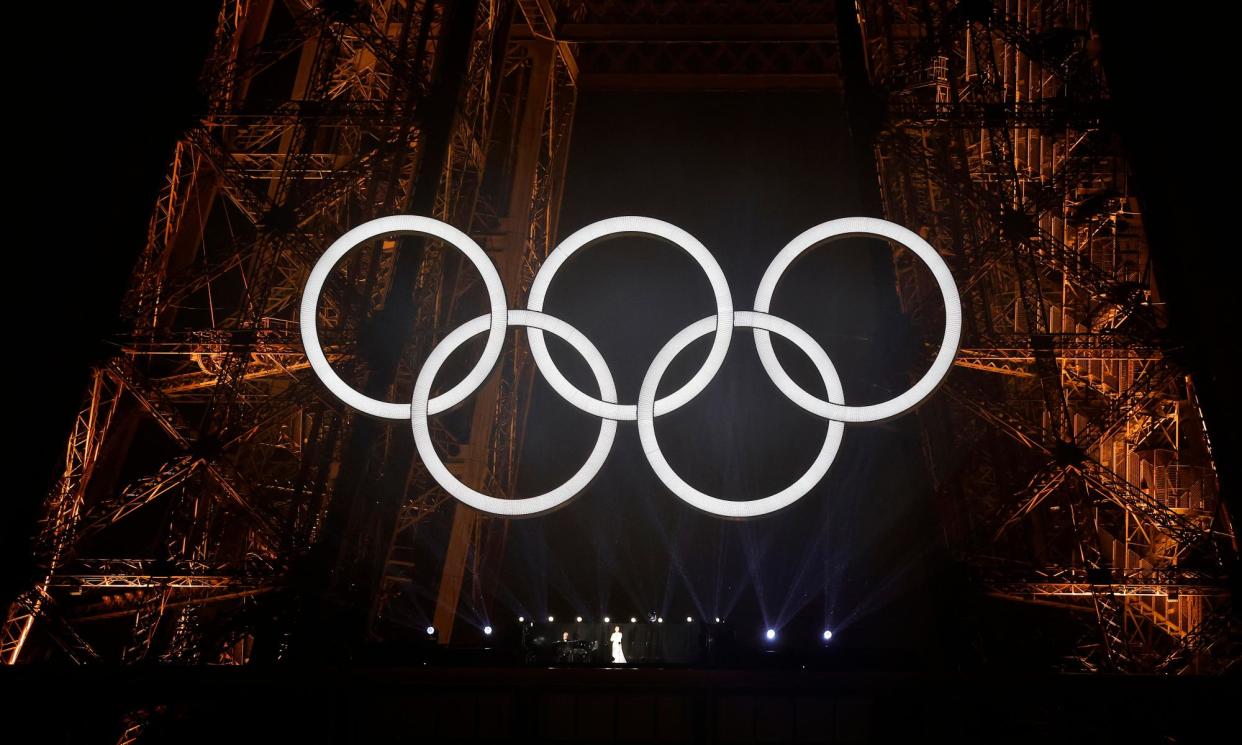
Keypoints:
pixel 648 407
pixel 618 226
pixel 512 507
pixel 403 225
pixel 846 228
pixel 754 507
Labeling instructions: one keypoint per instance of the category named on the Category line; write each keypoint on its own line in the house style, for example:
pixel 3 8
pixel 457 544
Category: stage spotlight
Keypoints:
pixel 606 620
pixel 551 619
pixel 521 619
pixel 689 619
pixel 579 619
pixel 717 619
pixel 660 620
pixel 827 634
pixel 487 630
pixel 633 620
pixel 771 635
pixel 431 630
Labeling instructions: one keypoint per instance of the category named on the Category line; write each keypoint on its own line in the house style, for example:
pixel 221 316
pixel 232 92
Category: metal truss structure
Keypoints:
pixel 205 457
pixel 212 499
pixel 216 507
pixel 1090 481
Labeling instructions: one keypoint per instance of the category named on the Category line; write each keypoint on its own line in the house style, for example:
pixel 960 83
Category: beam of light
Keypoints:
pixel 528 545
pixel 418 591
pixel 605 558
pixel 676 564
pixel 636 585
pixel 754 559
pixel 529 541
pixel 844 531
pixel 795 598
pixel 878 597
pixel 718 566
pixel 797 593
pixel 864 532
pixel 505 595
pixel 684 531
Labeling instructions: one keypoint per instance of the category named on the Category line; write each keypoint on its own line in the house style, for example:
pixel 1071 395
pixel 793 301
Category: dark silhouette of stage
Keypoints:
pixel 586 705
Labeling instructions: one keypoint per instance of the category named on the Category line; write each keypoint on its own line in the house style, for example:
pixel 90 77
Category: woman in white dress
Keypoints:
pixel 617 655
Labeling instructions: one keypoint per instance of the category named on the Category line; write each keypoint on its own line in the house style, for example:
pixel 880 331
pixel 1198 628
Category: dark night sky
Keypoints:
pixel 103 111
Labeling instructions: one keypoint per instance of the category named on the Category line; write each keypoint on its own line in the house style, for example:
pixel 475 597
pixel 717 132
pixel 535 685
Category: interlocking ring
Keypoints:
pixel 513 507
pixel 648 407
pixel 612 228
pixel 403 225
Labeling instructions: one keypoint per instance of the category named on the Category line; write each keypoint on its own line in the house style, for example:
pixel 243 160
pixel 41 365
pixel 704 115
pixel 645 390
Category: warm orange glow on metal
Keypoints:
pixel 991 145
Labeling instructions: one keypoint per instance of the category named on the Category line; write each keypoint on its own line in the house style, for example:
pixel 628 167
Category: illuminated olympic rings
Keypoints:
pixel 648 407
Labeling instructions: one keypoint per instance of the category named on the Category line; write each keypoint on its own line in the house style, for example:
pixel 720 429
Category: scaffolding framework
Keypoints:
pixel 205 439
pixel 1090 482
pixel 319 117
pixel 209 482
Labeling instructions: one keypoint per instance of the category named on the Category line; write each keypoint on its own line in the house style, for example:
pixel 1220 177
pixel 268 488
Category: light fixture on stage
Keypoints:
pixel 660 620
pixel 551 619
pixel 771 635
pixel 521 619
pixel 689 619
pixel 606 620
pixel 487 630
pixel 633 619
pixel 431 631
pixel 717 619
pixel 827 634
pixel 579 619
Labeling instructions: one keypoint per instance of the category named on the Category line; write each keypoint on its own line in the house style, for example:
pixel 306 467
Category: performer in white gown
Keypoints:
pixel 617 655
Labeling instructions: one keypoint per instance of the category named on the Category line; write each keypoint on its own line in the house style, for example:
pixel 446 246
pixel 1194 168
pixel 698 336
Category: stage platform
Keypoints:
pixel 643 643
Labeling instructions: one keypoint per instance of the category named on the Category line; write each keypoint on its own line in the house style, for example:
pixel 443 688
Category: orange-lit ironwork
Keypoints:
pixel 1088 482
